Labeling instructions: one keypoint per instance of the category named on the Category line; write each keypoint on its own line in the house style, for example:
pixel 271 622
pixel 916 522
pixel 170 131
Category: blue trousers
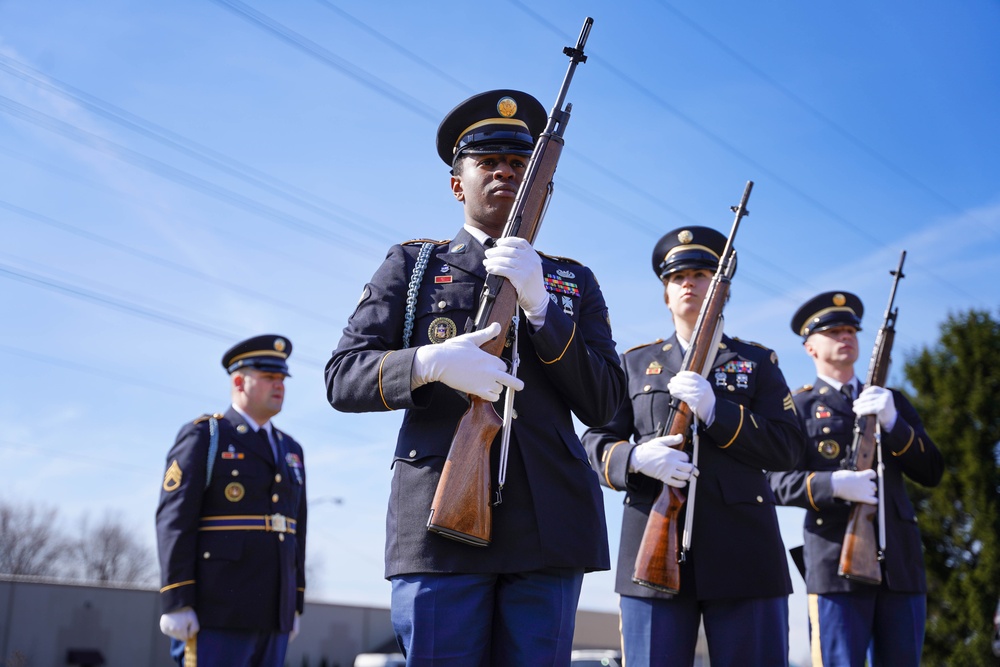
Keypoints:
pixel 478 620
pixel 886 628
pixel 234 648
pixel 664 632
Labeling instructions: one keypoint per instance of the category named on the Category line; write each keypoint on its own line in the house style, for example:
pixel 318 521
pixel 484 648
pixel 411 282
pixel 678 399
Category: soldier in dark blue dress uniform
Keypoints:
pixel 849 619
pixel 231 522
pixel 514 601
pixel 735 577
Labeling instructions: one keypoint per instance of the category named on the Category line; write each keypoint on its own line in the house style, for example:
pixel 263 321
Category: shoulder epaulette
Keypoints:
pixel 205 417
pixel 422 241
pixel 805 387
pixel 639 347
pixel 750 342
pixel 557 258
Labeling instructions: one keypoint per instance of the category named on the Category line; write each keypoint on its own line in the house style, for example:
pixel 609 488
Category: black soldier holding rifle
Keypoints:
pixel 735 577
pixel 512 601
pixel 849 620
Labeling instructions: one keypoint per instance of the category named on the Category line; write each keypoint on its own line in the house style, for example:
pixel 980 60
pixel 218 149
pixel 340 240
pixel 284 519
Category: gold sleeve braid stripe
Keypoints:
pixel 571 335
pixel 809 490
pixel 738 429
pixel 908 443
pixel 381 393
pixel 177 585
pixel 607 462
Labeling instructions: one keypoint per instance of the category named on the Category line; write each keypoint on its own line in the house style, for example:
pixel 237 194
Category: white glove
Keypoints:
pixel 513 258
pixel 694 390
pixel 295 628
pixel 459 363
pixel 181 624
pixel 857 486
pixel 657 458
pixel 877 401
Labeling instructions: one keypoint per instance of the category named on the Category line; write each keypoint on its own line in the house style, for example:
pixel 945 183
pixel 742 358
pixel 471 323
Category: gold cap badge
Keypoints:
pixel 685 236
pixel 507 107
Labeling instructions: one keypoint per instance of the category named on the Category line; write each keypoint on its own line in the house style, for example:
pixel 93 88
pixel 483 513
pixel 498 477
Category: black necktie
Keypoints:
pixel 847 389
pixel 262 432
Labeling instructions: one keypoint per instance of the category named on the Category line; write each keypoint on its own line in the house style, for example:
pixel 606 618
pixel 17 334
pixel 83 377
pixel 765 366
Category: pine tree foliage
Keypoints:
pixel 957 383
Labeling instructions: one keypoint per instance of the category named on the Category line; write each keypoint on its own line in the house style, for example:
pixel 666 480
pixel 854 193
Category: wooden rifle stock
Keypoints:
pixel 656 564
pixel 460 509
pixel 862 551
pixel 859 554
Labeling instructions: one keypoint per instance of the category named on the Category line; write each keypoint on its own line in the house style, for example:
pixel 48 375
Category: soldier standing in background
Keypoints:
pixel 231 522
pixel 850 620
pixel 735 578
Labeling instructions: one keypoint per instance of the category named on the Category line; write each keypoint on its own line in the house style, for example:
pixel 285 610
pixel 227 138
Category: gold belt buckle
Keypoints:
pixel 278 523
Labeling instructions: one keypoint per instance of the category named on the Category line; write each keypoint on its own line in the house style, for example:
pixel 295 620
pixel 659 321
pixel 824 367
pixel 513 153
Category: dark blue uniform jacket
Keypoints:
pixel 736 549
pixel 828 422
pixel 233 576
pixel 552 513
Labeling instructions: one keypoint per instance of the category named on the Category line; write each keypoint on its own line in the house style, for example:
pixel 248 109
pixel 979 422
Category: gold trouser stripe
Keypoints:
pixel 380 392
pixel 815 649
pixel 191 652
pixel 571 335
pixel 621 637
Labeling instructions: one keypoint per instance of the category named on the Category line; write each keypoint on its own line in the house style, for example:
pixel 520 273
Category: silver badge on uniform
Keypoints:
pixel 720 379
pixel 567 304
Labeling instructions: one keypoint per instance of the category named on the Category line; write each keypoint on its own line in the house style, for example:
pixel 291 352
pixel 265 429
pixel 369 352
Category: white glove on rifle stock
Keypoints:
pixel 658 458
pixel 856 486
pixel 461 364
pixel 513 258
pixel 696 391
pixel 877 401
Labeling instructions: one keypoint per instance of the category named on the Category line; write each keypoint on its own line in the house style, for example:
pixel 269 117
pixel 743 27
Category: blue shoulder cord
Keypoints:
pixel 413 290
pixel 213 447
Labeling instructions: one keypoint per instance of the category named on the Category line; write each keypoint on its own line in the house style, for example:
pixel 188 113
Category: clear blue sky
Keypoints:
pixel 178 176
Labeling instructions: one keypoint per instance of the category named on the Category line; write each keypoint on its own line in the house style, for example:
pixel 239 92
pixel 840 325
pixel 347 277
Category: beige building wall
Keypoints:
pixel 41 621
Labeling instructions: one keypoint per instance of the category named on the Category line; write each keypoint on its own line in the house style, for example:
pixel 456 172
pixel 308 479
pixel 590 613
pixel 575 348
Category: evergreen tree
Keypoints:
pixel 958 397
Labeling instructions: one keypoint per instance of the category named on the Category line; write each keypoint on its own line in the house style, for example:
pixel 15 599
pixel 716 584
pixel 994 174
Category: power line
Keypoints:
pixel 732 149
pixel 816 113
pixel 95 371
pixel 327 57
pixel 258 179
pixel 161 261
pixel 100 372
pixel 397 47
pixel 172 173
pixel 131 308
pixel 76 177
